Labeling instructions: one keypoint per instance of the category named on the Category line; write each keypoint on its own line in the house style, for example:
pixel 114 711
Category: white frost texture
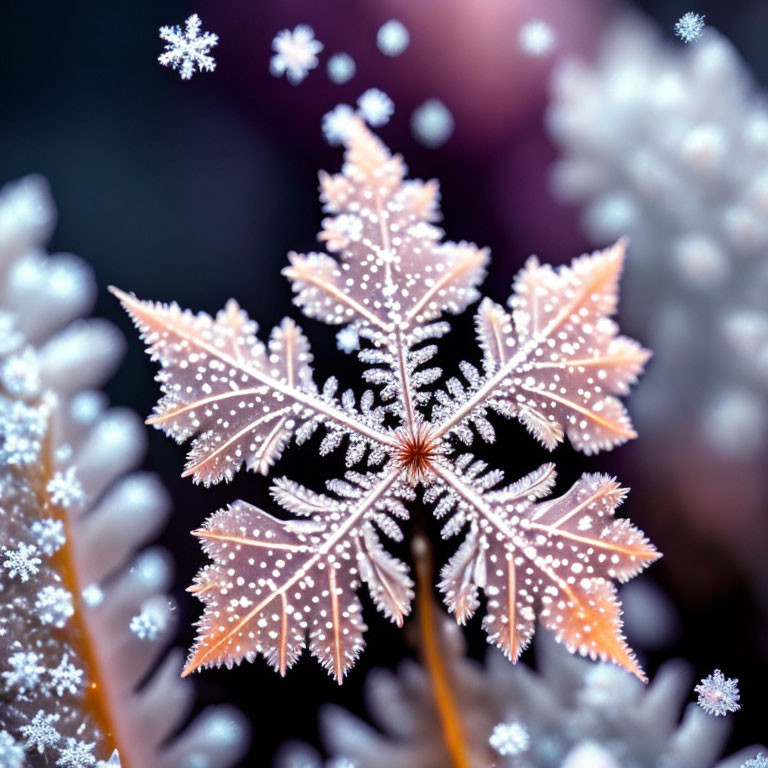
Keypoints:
pixel 669 145
pixel 72 516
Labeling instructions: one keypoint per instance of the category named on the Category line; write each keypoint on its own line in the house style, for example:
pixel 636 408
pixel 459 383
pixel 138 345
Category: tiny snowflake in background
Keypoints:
pixel 348 340
pixel 432 123
pixel 718 695
pixel 24 673
pixel 510 739
pixel 54 605
pixel 65 489
pixel 93 595
pixel 690 26
pixel 49 535
pixel 66 677
pixel 341 68
pixel 375 107
pixel 152 620
pixel 22 562
pixel 295 53
pixel 536 38
pixel 189 49
pixel 337 123
pixel 392 38
pixel 756 762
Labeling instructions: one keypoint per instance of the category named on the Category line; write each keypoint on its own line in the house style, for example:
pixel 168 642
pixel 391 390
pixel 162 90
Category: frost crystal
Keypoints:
pixel 40 733
pixel 66 678
pixel 76 754
pixel 21 562
pixel 295 53
pixel 510 739
pixel 536 38
pixel 432 123
pixel 54 605
pixel 48 534
pixel 189 49
pixel 65 489
pixel 24 673
pixel 392 38
pixel 690 26
pixel 555 361
pixel 341 68
pixel 375 107
pixel 718 695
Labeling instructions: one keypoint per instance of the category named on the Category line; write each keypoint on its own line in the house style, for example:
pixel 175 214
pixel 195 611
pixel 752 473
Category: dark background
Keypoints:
pixel 196 190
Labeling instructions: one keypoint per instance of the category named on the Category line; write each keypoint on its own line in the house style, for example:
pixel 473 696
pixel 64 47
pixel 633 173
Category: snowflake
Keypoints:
pixel 348 339
pixel 375 107
pixel 40 732
pixel 392 38
pixel 718 695
pixel 295 53
pixel 756 762
pixel 432 123
pixel 189 49
pixel 510 739
pixel 76 754
pixel 690 26
pixel 93 595
pixel 65 489
pixel 22 561
pixel 25 671
pixel 555 362
pixel 341 68
pixel 536 38
pixel 338 123
pixel 20 374
pixel 24 429
pixel 66 677
pixel 49 535
pixel 54 605
pixel 151 622
pixel 11 753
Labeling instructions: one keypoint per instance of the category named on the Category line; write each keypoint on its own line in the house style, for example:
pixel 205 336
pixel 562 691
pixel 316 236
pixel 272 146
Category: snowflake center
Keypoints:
pixel 417 448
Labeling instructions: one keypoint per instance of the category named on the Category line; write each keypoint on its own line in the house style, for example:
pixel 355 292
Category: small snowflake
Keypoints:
pixel 76 754
pixel 24 428
pixel 65 489
pixel 93 595
pixel 40 732
pixel 54 605
pixel 185 50
pixel 66 677
pixel 337 124
pixel 22 561
pixel 348 340
pixel 690 26
pixel 510 739
pixel 718 695
pixel 392 38
pixel 20 374
pixel 48 534
pixel 376 107
pixel 536 38
pixel 295 53
pixel 151 622
pixel 432 123
pixel 24 673
pixel 11 753
pixel 341 68
pixel 756 762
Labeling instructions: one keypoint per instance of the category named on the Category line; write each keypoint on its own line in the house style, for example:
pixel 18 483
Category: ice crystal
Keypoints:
pixel 189 49
pixel 756 762
pixel 76 754
pixel 375 107
pixel 65 489
pixel 23 562
pixel 295 53
pixel 40 733
pixel 54 605
pixel 341 68
pixel 556 363
pixel 151 622
pixel 432 123
pixel 690 26
pixel 718 695
pixel 537 38
pixel 348 339
pixel 392 38
pixel 71 515
pixel 510 739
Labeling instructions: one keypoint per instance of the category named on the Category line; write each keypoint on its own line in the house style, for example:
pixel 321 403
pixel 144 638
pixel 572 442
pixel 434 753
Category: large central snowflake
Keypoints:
pixel 555 363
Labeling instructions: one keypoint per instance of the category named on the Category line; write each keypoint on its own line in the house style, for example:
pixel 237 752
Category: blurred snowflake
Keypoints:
pixel 295 53
pixel 393 38
pixel 537 38
pixel 341 68
pixel 432 123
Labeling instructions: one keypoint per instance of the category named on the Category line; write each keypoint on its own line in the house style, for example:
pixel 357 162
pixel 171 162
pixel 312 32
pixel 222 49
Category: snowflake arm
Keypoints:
pixel 242 401
pixel 299 577
pixel 557 362
pixel 552 559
